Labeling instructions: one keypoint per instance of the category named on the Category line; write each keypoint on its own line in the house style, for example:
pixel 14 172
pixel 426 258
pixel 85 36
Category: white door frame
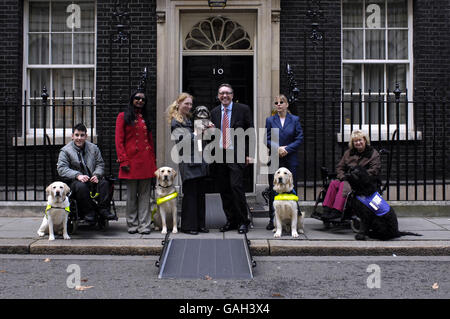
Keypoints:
pixel 168 66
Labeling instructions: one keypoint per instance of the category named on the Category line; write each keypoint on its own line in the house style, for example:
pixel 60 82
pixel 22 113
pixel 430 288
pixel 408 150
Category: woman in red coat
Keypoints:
pixel 136 156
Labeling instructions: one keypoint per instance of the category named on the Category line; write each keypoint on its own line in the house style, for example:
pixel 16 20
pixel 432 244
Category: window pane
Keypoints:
pixel 63 110
pixel 84 82
pixel 373 77
pixel 397 13
pixel 374 14
pixel 396 73
pixel 59 16
pixel 38 17
pixel 398 44
pixel 352 14
pixel 83 111
pixel 38 49
pixel 374 108
pixel 87 14
pixel 394 110
pixel 38 79
pixel 61 48
pixel 375 44
pixel 352 77
pixel 352 44
pixel 63 82
pixel 352 107
pixel 83 49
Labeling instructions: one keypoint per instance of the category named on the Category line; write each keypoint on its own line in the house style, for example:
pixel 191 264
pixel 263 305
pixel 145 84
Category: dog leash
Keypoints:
pixel 67 209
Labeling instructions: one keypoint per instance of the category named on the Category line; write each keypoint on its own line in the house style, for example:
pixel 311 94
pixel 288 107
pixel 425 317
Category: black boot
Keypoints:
pixel 270 225
pixel 107 214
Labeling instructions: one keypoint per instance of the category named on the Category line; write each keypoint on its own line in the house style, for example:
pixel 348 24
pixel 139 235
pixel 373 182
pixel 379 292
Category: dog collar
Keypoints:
pixel 286 196
pixel 166 198
pixel 67 209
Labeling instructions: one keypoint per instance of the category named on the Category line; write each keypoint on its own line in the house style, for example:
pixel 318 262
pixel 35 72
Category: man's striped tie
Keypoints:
pixel 225 129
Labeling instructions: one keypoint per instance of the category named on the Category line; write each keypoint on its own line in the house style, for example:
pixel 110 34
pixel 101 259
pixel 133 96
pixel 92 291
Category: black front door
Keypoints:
pixel 202 76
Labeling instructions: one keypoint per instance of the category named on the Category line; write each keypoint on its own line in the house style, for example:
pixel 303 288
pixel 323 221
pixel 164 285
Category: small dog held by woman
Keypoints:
pixel 378 219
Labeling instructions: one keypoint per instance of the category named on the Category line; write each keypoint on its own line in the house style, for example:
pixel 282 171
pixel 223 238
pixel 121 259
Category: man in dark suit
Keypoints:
pixel 230 173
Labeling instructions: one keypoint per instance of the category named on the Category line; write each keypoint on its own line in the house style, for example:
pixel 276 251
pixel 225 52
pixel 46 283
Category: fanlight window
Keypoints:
pixel 217 33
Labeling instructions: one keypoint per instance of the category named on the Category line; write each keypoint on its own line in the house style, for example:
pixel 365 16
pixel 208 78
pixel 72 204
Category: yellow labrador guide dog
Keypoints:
pixel 56 212
pixel 166 199
pixel 285 205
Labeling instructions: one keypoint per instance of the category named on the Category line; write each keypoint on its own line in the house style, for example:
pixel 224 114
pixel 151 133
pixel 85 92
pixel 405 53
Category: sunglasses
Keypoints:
pixel 281 102
pixel 138 98
pixel 225 93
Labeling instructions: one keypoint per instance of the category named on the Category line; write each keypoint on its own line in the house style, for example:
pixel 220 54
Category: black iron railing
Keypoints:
pixel 32 135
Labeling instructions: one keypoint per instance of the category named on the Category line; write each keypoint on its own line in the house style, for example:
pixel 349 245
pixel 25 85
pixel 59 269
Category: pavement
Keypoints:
pixel 18 236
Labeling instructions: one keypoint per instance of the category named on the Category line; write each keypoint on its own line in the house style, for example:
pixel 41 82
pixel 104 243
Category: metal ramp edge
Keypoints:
pixel 205 259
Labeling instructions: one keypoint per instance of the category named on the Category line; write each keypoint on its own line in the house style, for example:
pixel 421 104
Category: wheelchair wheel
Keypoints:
pixel 355 224
pixel 72 226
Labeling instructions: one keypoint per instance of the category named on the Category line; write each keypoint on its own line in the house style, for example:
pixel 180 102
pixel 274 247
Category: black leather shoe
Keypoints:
pixel 228 226
pixel 243 229
pixel 316 215
pixel 190 232
pixel 203 230
pixel 270 225
pixel 107 214
pixel 334 214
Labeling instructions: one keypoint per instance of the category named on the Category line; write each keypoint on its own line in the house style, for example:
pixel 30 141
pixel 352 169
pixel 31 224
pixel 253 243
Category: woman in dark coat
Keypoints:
pixel 359 153
pixel 192 169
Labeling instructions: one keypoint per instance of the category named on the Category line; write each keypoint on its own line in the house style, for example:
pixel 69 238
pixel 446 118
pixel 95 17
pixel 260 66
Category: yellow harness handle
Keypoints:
pixel 286 197
pixel 164 199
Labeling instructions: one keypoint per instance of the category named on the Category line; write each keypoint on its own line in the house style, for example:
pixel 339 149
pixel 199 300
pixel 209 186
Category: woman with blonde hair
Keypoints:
pixel 288 140
pixel 192 174
pixel 359 153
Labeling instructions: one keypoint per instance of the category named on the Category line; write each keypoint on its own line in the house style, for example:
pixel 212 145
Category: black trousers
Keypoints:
pixel 81 193
pixel 193 206
pixel 230 180
pixel 293 169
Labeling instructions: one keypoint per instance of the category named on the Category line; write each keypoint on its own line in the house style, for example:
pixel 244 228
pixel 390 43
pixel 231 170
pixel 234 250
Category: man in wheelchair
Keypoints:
pixel 81 166
pixel 360 153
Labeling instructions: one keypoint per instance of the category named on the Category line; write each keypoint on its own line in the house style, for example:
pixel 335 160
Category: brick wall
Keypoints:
pixel 316 66
pixel 317 69
pixel 116 66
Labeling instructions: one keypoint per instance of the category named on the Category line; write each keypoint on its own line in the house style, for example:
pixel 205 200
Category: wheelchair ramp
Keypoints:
pixel 215 216
pixel 206 258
